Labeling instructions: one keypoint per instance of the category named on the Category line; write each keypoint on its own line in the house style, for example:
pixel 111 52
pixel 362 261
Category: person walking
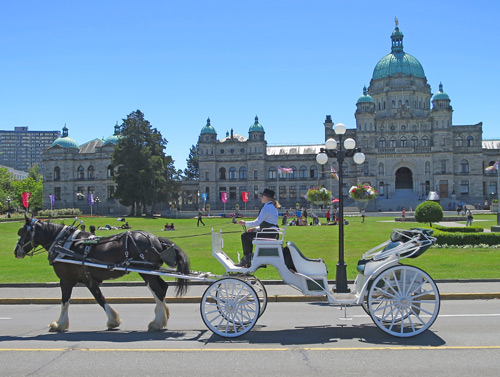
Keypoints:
pixel 327 216
pixel 403 214
pixel 200 219
pixel 363 214
pixel 267 220
pixel 469 218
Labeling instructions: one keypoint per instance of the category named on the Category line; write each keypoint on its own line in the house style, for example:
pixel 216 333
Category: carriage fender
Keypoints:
pixel 372 267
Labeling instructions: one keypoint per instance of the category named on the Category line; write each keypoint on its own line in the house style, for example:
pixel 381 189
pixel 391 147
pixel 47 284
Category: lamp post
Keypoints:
pixel 97 201
pixel 346 148
pixel 8 207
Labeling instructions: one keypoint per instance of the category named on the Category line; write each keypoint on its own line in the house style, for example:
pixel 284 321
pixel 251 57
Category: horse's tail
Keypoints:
pixel 174 256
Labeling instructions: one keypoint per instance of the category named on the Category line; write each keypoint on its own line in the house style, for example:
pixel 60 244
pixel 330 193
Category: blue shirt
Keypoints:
pixel 268 213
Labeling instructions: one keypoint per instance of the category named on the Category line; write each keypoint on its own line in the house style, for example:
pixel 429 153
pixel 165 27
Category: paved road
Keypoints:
pixel 290 339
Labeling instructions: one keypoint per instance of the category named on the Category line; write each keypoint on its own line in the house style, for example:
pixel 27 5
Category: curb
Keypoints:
pixel 196 299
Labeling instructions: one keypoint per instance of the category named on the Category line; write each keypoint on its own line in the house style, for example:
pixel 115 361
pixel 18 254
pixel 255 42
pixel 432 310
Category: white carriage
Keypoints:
pixel 402 300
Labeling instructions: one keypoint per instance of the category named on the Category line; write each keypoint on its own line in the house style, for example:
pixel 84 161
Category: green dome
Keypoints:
pixel 365 97
pixel 113 139
pixel 256 127
pixel 441 94
pixel 65 141
pixel 398 61
pixel 208 129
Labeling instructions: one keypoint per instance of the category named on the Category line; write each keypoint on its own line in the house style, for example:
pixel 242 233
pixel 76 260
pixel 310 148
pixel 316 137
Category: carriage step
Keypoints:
pixel 345 298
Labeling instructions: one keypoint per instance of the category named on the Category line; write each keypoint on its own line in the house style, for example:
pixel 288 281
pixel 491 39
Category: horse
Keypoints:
pixel 132 248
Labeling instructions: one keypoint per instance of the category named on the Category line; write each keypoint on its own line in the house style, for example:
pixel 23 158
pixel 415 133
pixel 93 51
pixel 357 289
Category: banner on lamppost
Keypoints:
pixel 204 196
pixel 244 196
pixel 26 199
pixel 52 199
pixel 224 196
pixel 91 199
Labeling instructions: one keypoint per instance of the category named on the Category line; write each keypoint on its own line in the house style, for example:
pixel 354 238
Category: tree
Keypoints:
pixel 429 212
pixel 192 172
pixel 141 164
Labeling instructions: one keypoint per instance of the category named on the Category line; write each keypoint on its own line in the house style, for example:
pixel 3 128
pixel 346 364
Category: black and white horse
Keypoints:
pixel 131 248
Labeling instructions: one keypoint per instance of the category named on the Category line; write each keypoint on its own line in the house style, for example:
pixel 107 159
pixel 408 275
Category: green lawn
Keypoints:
pixel 314 242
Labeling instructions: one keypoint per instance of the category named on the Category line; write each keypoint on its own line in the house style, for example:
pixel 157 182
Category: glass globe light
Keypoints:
pixel 349 143
pixel 339 129
pixel 331 144
pixel 359 158
pixel 321 158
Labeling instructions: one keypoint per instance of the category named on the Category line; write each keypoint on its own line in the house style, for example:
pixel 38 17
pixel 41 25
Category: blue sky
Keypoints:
pixel 88 64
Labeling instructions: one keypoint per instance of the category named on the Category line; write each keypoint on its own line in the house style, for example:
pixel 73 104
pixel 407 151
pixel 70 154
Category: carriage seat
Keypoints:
pixel 298 262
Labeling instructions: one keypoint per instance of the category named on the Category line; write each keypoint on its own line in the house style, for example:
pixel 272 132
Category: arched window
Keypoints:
pixel 232 173
pixel 80 173
pixel 459 141
pixel 392 142
pixel 381 142
pixel 90 172
pixel 293 174
pixel 303 172
pixel 464 166
pixel 222 173
pixel 425 141
pixel 313 172
pixel 427 167
pixel 414 141
pixel 111 171
pixel 470 141
pixel 243 172
pixel 272 173
pixel 381 168
pixel 403 142
pixel 57 173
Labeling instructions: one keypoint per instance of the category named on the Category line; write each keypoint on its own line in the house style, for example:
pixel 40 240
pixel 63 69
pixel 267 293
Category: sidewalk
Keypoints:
pixel 276 292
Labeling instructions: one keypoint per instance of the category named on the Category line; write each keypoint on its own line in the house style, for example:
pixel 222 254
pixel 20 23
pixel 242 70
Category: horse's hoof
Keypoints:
pixel 54 327
pixel 154 327
pixel 113 325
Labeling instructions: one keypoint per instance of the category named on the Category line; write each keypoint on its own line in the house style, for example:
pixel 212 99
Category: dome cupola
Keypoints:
pixel 256 126
pixel 113 139
pixel 208 129
pixel 441 95
pixel 365 97
pixel 65 141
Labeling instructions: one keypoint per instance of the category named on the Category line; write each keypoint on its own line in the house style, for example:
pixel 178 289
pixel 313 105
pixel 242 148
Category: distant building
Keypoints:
pixel 406 133
pixel 19 175
pixel 20 149
pixel 72 172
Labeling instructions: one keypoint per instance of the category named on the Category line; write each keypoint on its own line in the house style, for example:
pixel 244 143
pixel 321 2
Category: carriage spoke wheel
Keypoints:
pixel 230 307
pixel 259 288
pixel 403 301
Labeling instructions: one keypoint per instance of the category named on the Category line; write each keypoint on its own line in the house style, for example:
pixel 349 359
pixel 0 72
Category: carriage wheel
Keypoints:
pixel 259 288
pixel 230 307
pixel 403 301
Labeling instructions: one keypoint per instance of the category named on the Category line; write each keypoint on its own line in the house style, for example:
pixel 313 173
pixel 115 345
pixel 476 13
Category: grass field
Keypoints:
pixel 314 242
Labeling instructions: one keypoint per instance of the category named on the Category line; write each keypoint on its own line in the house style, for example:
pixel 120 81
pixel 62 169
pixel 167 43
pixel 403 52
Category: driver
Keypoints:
pixel 267 219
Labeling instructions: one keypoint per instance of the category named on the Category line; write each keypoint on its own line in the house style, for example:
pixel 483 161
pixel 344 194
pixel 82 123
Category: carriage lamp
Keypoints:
pixel 340 150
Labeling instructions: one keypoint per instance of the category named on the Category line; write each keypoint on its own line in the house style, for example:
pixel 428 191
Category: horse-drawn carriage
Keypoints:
pixel 402 300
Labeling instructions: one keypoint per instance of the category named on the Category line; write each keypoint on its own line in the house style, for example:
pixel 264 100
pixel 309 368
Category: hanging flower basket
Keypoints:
pixel 362 193
pixel 318 196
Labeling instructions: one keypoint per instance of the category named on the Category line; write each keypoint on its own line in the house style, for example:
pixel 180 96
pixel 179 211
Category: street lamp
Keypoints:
pixel 8 207
pixel 347 148
pixel 97 201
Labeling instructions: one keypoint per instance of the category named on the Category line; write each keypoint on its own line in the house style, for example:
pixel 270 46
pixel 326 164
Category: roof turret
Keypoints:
pixel 441 94
pixel 65 141
pixel 208 129
pixel 256 126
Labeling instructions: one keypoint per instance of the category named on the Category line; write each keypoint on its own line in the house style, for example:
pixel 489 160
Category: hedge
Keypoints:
pixel 460 239
pixel 458 229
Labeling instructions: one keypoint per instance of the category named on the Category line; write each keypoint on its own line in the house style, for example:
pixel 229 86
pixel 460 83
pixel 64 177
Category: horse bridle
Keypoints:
pixel 31 229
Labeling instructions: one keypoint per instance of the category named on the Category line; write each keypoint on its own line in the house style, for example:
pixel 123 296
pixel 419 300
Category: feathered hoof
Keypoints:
pixel 155 327
pixel 113 324
pixel 54 327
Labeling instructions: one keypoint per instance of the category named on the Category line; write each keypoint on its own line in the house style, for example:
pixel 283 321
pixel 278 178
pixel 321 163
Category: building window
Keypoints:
pixel 255 192
pixel 80 173
pixel 232 173
pixel 464 166
pixel 366 168
pixel 79 193
pixel 207 176
pixel 392 142
pixel 57 173
pixel 111 171
pixel 470 141
pixel 459 142
pixel 381 142
pixel 282 192
pixel 222 173
pixel 293 174
pixel 443 166
pixel 414 141
pixel 90 172
pixel 381 168
pixel 302 191
pixel 492 186
pixel 464 187
pixel 232 193
pixel 255 174
pixel 91 190
pixel 292 191
pixel 111 192
pixel 57 193
pixel 403 142
pixel 243 172
pixel 313 172
pixel 427 167
pixel 302 172
pixel 272 173
pixel 425 141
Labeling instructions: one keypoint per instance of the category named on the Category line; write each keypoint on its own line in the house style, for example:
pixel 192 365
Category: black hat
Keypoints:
pixel 269 193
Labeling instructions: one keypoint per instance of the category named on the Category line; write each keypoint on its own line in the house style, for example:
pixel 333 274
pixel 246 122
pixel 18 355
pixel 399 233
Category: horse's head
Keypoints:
pixel 26 241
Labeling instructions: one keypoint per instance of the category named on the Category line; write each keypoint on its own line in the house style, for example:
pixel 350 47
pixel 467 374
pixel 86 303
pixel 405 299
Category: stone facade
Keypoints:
pixel 406 133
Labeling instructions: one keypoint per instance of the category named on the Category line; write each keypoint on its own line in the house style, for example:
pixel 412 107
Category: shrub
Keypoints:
pixel 60 212
pixel 458 229
pixel 429 212
pixel 461 239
